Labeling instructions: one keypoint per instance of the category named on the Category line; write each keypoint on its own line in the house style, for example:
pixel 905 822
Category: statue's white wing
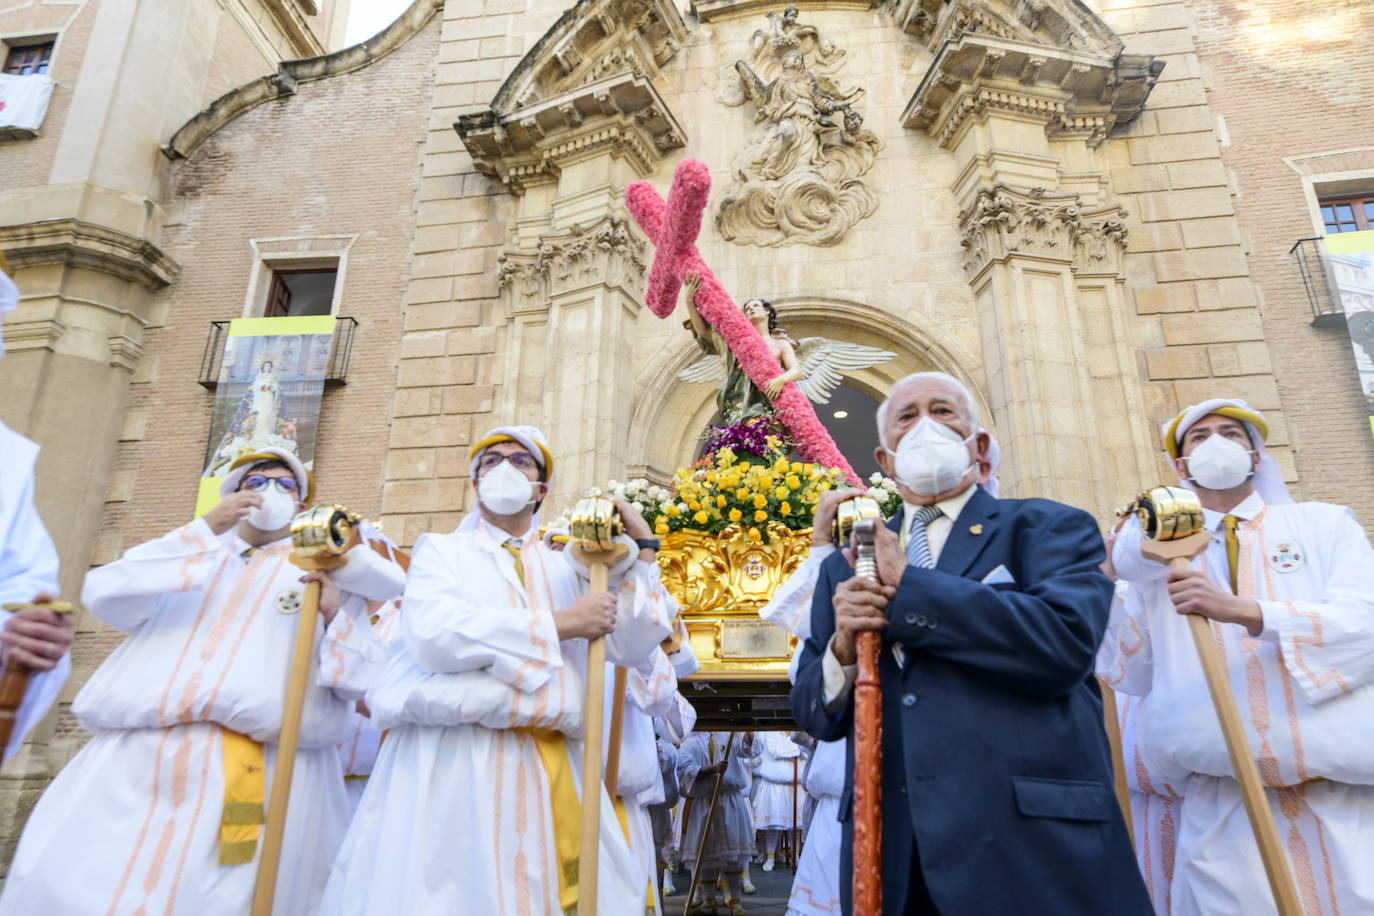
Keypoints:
pixel 710 368
pixel 824 363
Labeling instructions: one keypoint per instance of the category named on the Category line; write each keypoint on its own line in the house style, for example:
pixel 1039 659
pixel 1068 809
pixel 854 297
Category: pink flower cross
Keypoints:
pixel 673 228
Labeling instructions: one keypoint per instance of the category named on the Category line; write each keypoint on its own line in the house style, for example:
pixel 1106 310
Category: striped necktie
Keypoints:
pixel 917 544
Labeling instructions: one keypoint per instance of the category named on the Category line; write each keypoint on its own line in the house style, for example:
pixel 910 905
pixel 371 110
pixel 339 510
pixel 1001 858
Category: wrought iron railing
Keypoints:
pixel 340 352
pixel 1315 269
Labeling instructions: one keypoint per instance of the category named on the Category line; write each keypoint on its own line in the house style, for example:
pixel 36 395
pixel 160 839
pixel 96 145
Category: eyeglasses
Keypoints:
pixel 259 482
pixel 522 460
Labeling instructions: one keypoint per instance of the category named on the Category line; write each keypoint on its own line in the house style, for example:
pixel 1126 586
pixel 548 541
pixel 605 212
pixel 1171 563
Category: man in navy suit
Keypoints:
pixel 997 785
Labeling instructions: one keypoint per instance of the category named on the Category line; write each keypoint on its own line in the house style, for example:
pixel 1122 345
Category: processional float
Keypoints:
pixel 1171 520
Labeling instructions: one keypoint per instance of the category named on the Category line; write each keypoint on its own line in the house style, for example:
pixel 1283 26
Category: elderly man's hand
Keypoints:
pixel 860 605
pixel 36 638
pixel 1194 592
pixel 823 519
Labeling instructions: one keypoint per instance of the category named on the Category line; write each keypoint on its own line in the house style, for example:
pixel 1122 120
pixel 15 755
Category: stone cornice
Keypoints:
pixel 589 41
pixel 283 83
pixel 290 18
pixel 1066 24
pixel 623 112
pixel 607 253
pixel 76 243
pixel 708 10
pixel 1071 92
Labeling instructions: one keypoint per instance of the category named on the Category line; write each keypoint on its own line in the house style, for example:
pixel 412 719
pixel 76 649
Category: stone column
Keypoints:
pixel 1043 242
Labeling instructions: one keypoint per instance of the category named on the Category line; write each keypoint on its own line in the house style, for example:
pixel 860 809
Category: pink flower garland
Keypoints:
pixel 673 229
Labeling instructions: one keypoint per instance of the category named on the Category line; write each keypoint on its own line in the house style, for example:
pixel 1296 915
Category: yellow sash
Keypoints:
pixel 566 809
pixel 244 790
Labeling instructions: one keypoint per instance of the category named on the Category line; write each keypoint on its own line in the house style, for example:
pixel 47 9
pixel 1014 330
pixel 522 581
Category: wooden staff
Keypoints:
pixel 592 533
pixel 705 826
pixel 868 739
pixel 15 679
pixel 1112 725
pixel 321 536
pixel 1171 518
pixel 617 725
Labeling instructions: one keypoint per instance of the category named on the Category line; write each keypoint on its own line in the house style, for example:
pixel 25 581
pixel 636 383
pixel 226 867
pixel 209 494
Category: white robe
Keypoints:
pixel 775 805
pixel 1303 687
pixel 358 752
pixel 730 842
pixel 816 888
pixel 651 690
pixel 132 823
pixel 28 566
pixel 456 816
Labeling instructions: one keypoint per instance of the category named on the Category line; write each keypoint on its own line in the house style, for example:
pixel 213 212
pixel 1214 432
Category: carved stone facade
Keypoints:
pixel 1062 219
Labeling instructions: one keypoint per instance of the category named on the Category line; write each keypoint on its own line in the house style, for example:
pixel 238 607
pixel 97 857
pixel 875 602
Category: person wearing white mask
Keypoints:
pixel 163 808
pixel 472 805
pixel 1287 587
pixel 996 777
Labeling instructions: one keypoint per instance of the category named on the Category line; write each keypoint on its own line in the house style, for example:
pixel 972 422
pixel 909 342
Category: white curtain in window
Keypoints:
pixel 24 100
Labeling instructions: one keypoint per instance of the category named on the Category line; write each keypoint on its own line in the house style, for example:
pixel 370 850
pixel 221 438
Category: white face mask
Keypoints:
pixel 1220 464
pixel 276 511
pixel 931 458
pixel 504 490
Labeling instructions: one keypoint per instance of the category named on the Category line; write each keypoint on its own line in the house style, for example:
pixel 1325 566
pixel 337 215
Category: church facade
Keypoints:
pixel 1084 210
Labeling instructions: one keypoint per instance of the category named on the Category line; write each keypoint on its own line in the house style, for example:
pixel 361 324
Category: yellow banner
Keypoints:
pixel 1350 242
pixel 263 327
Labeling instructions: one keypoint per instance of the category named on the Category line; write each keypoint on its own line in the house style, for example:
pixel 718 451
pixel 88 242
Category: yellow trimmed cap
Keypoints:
pixel 1235 408
pixel 245 463
pixel 528 436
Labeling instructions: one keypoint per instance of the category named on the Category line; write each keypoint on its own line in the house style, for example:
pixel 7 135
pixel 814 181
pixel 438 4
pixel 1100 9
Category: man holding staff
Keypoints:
pixel 1287 589
pixel 162 809
pixel 996 779
pixel 32 636
pixel 473 805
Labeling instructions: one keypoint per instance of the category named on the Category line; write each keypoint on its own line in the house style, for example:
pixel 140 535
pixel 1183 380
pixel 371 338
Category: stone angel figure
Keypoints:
pixel 816 364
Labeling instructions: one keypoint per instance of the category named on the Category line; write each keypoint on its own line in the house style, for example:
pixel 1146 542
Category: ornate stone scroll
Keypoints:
pixel 799 181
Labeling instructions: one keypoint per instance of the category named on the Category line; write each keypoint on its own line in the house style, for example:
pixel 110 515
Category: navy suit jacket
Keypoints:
pixel 995 762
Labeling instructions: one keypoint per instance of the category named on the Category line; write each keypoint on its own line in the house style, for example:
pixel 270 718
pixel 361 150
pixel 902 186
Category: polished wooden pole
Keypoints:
pixel 1112 724
pixel 14 681
pixel 617 726
pixel 868 740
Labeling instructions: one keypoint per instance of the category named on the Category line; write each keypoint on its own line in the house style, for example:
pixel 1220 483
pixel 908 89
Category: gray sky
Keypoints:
pixel 368 17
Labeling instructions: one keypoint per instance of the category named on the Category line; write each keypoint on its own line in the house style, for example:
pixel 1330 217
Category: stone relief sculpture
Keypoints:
pixel 800 179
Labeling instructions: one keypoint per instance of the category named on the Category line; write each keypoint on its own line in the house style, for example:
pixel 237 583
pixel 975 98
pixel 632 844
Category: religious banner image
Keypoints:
pixel 268 394
pixel 1351 256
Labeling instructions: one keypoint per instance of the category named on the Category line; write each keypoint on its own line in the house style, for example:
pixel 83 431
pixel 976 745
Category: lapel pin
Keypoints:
pixel 975 529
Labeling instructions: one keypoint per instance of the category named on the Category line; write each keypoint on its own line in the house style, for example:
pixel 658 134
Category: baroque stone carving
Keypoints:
pixel 800 179
pixel 607 252
pixel 1004 221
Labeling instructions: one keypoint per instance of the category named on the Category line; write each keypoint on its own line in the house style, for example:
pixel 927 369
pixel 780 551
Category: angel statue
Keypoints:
pixel 816 364
pixel 797 108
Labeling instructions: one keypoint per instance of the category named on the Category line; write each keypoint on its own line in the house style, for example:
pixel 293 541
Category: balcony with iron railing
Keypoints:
pixel 1314 265
pixel 340 352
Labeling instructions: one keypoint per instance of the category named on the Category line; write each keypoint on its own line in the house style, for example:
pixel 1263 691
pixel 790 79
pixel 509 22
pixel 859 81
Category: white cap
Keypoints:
pixel 241 466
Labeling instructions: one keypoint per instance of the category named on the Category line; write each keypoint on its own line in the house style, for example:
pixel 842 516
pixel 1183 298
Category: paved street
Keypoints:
pixel 771 899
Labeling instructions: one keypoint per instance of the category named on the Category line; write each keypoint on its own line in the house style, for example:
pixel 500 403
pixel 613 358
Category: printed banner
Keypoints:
pixel 268 393
pixel 1351 257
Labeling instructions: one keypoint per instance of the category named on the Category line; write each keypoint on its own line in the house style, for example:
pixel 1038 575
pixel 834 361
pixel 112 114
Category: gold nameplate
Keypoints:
pixel 753 639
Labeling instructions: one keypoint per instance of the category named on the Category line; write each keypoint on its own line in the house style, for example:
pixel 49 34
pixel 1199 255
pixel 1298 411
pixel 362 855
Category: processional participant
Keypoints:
pixel 32 636
pixel 163 807
pixel 473 804
pixel 775 804
pixel 729 835
pixel 1287 589
pixel 991 612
